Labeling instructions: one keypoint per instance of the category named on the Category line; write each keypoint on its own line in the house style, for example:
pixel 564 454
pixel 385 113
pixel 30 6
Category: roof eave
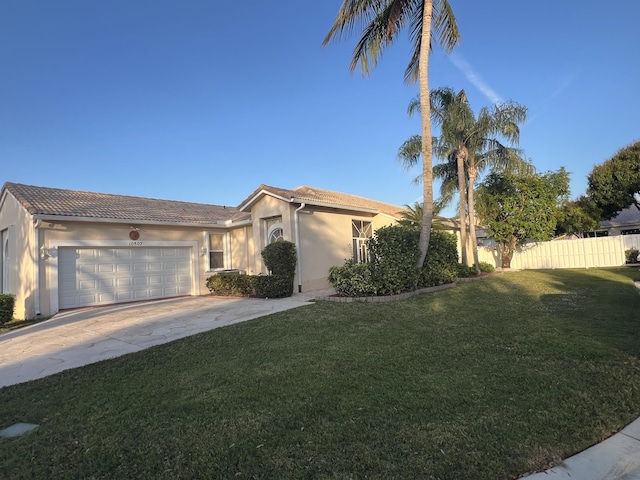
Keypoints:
pixel 70 218
pixel 254 199
pixel 336 206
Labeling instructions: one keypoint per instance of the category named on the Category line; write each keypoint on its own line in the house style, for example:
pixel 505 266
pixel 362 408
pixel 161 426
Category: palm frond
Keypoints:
pixel 410 151
pixel 445 26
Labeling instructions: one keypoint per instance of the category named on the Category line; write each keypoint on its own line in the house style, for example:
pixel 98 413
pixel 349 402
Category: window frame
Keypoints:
pixel 272 224
pixel 226 260
pixel 360 248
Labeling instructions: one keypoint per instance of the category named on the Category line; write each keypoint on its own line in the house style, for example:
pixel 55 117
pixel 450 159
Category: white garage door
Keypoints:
pixel 100 276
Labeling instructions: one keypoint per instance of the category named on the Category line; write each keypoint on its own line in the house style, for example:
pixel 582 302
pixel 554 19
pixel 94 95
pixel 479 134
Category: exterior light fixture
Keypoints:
pixel 44 252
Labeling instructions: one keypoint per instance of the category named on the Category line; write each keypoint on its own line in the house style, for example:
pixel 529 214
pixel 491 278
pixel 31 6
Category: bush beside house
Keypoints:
pixel 391 270
pixel 7 306
pixel 279 258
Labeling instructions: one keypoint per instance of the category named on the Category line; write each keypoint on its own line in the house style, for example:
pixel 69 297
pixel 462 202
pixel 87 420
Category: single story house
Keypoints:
pixel 626 222
pixel 62 249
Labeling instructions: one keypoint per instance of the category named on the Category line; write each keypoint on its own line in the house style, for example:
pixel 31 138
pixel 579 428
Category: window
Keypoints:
pixel 216 250
pixel 361 232
pixel 596 234
pixel 274 229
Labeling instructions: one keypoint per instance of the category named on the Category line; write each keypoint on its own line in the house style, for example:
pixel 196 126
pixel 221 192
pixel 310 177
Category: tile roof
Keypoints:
pixel 629 216
pixel 73 203
pixel 316 195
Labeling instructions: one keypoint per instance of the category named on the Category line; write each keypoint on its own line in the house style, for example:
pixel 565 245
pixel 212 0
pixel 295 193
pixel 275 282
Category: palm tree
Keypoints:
pixel 381 22
pixel 486 151
pixel 471 144
pixel 412 216
pixel 453 113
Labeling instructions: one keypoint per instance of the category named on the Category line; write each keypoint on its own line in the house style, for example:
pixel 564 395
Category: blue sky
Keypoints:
pixel 203 101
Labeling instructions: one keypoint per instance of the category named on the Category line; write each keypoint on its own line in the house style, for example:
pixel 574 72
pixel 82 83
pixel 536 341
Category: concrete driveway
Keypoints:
pixel 78 337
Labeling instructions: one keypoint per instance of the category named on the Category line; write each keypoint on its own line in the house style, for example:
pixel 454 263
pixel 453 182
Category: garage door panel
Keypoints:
pixel 98 276
pixel 88 269
pixel 87 285
pixel 124 296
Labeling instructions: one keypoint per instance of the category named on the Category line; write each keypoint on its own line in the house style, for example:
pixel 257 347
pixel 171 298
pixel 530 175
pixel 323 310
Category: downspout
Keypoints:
pixel 36 267
pixel 296 215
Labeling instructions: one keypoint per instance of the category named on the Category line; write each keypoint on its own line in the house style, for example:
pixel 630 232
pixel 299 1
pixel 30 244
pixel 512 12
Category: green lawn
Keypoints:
pixel 489 380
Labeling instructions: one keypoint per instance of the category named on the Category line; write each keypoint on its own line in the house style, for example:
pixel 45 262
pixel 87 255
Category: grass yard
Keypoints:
pixel 489 380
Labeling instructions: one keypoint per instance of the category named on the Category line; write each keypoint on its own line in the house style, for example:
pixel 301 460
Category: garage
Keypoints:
pixel 102 276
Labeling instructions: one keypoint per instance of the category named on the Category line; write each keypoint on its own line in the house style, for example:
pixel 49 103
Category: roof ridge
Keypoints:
pixel 110 195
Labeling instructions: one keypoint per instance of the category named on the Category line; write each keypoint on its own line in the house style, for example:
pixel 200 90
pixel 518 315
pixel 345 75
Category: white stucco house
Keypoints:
pixel 62 249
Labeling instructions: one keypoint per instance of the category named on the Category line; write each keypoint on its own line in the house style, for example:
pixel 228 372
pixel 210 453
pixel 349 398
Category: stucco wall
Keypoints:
pixel 325 236
pixel 266 208
pixel 19 229
pixel 326 240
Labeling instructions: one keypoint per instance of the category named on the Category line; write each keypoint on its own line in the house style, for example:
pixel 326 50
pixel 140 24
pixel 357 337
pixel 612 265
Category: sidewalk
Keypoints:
pixel 616 458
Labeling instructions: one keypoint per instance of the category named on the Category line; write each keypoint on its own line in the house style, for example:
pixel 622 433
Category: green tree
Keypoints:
pixel 517 208
pixel 380 22
pixel 411 217
pixel 615 185
pixel 471 145
pixel 576 217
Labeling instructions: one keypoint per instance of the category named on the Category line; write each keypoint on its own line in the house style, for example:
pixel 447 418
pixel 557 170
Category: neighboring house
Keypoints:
pixel 65 249
pixel 627 222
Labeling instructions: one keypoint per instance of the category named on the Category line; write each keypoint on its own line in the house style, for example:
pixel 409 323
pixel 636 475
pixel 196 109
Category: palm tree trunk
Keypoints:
pixel 473 172
pixel 427 148
pixel 462 211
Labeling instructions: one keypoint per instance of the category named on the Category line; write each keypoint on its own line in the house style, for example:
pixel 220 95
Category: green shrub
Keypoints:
pixel 271 286
pixel 280 258
pixel 441 264
pixel 258 286
pixel 486 267
pixel 394 251
pixel 7 306
pixel 352 279
pixel 465 271
pixel 632 255
pixel 230 284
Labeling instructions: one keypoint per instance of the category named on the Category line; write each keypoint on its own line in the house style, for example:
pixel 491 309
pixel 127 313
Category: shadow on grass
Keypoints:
pixel 488 380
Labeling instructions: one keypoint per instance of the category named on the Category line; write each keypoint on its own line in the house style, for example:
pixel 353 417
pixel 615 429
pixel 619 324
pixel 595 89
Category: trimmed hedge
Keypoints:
pixel 7 307
pixel 394 251
pixel 271 286
pixel 230 285
pixel 279 258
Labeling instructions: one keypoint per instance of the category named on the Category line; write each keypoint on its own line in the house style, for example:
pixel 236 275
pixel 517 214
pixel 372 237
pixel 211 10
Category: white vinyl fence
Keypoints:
pixel 578 253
